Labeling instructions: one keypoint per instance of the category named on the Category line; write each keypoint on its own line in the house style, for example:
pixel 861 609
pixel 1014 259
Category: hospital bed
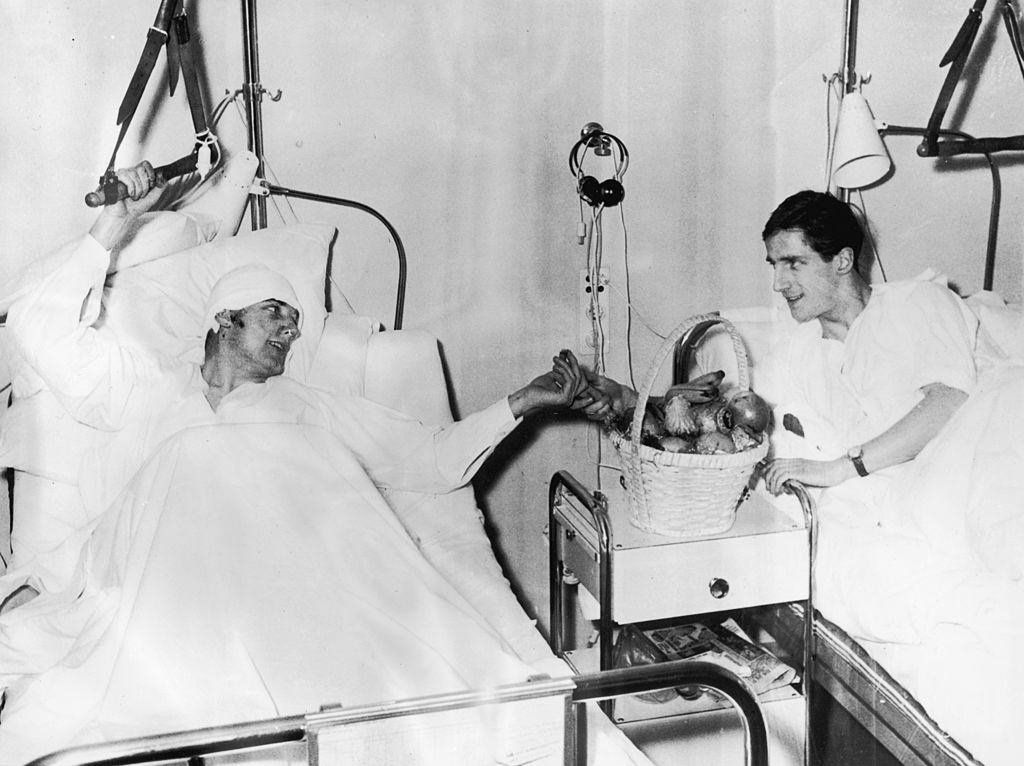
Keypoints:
pixel 156 287
pixel 916 715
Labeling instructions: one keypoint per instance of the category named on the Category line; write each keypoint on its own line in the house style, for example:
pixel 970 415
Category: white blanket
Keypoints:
pixel 930 560
pixel 205 602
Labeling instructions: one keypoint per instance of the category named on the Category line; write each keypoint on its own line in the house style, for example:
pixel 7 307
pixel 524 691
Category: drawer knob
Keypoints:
pixel 719 587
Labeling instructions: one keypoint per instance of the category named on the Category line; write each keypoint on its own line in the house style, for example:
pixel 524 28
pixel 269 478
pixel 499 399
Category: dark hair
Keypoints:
pixel 828 224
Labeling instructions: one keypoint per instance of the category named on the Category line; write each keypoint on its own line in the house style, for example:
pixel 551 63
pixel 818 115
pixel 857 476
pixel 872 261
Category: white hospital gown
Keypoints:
pixel 910 334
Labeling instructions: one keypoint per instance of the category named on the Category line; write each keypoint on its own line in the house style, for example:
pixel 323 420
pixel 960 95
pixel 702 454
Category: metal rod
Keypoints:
pixel 810 521
pixel 185 744
pixel 253 94
pixel 400 297
pixel 669 675
pixel 850 46
pixel 578 689
pixel 849 67
pixel 597 505
pixel 555 587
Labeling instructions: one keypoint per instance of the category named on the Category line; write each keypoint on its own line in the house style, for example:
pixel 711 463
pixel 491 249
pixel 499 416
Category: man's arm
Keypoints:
pixel 900 443
pixel 557 388
pixel 51 324
pixel 400 452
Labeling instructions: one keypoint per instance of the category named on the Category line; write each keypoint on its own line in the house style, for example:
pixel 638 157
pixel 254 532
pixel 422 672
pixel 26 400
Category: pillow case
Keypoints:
pixel 340 361
pixel 1004 323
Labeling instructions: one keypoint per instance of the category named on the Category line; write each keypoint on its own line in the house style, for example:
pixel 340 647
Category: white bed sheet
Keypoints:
pixel 193 615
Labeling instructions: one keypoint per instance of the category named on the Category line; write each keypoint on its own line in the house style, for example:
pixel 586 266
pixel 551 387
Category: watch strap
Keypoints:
pixel 856 457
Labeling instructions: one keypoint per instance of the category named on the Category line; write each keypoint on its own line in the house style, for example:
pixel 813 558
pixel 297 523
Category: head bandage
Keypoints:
pixel 244 286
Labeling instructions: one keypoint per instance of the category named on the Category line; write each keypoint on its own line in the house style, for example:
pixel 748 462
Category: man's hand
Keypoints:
pixel 812 473
pixel 113 220
pixel 554 389
pixel 603 398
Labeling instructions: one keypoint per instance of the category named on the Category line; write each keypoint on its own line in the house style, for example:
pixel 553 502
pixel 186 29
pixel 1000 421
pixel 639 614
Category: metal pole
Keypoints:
pixel 811 522
pixel 849 68
pixel 253 93
pixel 850 46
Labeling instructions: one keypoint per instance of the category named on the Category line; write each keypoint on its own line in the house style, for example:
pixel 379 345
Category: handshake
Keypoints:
pixel 604 400
pixel 568 384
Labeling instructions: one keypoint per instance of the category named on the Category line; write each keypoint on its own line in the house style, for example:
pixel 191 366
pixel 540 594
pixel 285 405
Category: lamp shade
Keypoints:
pixel 859 157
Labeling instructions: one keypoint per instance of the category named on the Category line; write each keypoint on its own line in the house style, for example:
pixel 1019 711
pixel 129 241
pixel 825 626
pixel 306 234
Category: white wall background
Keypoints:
pixel 455 120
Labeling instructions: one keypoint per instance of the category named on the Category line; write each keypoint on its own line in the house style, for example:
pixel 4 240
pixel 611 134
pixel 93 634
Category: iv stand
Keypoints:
pixel 253 92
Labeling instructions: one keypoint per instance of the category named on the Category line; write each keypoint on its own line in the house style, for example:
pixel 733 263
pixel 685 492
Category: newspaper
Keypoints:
pixel 725 645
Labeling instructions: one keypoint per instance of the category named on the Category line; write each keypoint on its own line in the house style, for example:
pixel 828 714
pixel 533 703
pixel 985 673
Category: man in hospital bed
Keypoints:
pixel 241 563
pixel 893 401
pixel 888 383
pixel 912 419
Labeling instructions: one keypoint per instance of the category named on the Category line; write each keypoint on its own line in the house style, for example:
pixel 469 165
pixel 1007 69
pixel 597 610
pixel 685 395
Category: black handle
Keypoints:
pixel 110 190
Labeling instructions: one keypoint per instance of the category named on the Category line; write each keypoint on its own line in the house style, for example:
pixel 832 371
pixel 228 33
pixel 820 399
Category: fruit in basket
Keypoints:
pixel 713 443
pixel 710 417
pixel 698 417
pixel 702 389
pixel 679 419
pixel 747 411
pixel 671 443
pixel 743 440
pixel 651 429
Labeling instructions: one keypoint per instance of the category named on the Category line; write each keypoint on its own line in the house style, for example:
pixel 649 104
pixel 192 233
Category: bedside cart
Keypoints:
pixel 637 576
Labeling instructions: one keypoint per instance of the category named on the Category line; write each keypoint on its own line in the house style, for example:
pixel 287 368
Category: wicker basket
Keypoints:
pixel 677 493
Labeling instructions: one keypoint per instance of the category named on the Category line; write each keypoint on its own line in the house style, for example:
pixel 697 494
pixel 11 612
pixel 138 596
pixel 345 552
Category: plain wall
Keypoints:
pixel 455 120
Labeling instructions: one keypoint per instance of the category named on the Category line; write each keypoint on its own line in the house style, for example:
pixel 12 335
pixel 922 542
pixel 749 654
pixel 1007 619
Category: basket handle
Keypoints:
pixel 743 370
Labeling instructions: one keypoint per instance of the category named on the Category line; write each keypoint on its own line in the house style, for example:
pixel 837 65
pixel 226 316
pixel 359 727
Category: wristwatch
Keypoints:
pixel 856 455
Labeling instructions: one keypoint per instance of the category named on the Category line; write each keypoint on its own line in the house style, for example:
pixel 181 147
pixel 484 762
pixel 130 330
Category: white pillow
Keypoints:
pixel 156 234
pixel 1005 324
pixel 159 304
pixel 340 362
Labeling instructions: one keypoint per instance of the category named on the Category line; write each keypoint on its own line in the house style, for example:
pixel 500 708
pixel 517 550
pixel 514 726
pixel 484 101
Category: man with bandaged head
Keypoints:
pixel 249 343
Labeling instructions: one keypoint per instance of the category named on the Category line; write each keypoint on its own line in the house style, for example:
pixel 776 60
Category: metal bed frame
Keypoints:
pixel 196 744
pixel 864 689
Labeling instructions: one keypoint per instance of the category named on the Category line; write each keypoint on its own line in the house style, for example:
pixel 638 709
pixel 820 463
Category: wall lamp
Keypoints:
pixel 860 157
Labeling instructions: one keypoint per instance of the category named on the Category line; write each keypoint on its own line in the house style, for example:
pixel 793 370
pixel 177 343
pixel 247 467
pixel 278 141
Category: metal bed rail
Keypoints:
pixel 194 745
pixel 597 505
